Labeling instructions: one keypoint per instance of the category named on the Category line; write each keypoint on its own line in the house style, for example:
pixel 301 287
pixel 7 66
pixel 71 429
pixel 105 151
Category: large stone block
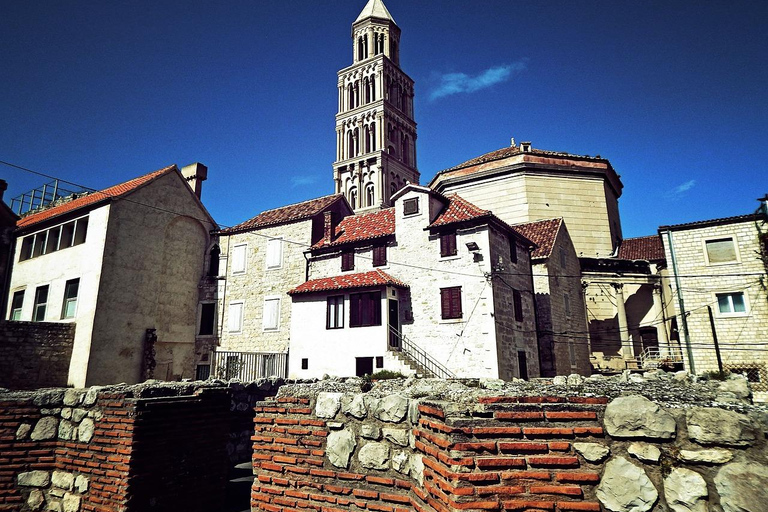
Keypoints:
pixel 45 429
pixel 339 447
pixel 711 426
pixel 374 456
pixel 743 486
pixel 327 405
pixel 392 408
pixel 625 487
pixel 636 416
pixel 685 491
pixel 34 479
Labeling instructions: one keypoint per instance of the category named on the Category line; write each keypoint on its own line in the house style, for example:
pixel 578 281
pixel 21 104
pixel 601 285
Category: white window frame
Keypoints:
pixel 734 240
pixel 732 313
pixel 271 244
pixel 271 299
pixel 66 301
pixel 235 249
pixel 20 309
pixel 235 328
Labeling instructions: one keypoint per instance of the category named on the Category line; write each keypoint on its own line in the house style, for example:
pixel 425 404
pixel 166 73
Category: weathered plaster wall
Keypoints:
pixel 35 354
pixel 153 262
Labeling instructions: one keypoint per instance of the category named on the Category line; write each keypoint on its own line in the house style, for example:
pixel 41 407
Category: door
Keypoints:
pixel 394 325
pixel 363 366
pixel 522 364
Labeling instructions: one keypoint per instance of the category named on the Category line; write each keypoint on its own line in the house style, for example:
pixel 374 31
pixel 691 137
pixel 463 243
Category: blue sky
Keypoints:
pixel 673 93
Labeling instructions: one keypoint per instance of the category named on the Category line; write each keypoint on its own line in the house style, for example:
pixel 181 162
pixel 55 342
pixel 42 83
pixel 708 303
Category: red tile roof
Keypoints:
pixel 365 226
pixel 93 198
pixel 348 281
pixel 509 151
pixel 647 248
pixel 285 214
pixel 543 233
pixel 459 210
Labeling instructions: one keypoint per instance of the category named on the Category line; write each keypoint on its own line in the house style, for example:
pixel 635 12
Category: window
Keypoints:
pixel 304 363
pixel 26 247
pixel 512 249
pixel 448 244
pixel 379 361
pixel 69 308
pixel 722 250
pixel 203 372
pixel 207 319
pixel 572 353
pixel 213 263
pixel 365 309
pixel 379 255
pixel 563 257
pixel 731 303
pixel 411 206
pixel 271 319
pixel 353 198
pixel 450 302
pixel 235 316
pixel 16 303
pixel 54 239
pixel 238 258
pixel 41 302
pixel 518 305
pixel 567 304
pixel 81 228
pixel 335 312
pixel 369 195
pixel 39 244
pixel 348 260
pixel 274 253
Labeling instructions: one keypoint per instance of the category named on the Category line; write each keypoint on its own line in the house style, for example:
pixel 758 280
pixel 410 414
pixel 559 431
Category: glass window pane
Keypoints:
pixel 81 229
pixel 723 304
pixel 738 303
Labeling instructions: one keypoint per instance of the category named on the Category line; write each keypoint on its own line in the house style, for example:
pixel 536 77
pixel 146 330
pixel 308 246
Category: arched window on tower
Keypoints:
pixel 369 195
pixel 360 48
pixel 373 136
pixel 367 88
pixel 392 189
pixel 350 144
pixel 357 142
pixel 367 134
pixel 391 150
pixel 404 152
pixel 352 197
pixel 213 264
pixel 357 93
pixel 373 89
pixel 350 97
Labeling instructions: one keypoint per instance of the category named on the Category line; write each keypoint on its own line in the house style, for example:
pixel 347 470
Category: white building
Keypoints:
pixel 124 264
pixel 433 280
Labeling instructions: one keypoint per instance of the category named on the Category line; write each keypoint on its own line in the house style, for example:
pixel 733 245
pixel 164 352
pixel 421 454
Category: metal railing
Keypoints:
pixel 418 356
pixel 652 357
pixel 247 366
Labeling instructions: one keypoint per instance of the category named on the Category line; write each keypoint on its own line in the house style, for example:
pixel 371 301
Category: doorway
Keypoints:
pixel 394 325
pixel 363 366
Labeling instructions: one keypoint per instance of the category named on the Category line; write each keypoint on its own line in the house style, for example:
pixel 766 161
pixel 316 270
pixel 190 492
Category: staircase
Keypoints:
pixel 417 358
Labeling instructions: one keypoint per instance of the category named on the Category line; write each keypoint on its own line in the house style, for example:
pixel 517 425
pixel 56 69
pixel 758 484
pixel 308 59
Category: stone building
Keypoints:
pixel 718 273
pixel 375 130
pixel 560 309
pixel 124 265
pixel 257 262
pixel 434 280
pixel 7 225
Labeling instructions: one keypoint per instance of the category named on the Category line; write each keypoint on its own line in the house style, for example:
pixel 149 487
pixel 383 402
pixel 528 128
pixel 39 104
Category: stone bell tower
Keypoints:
pixel 375 130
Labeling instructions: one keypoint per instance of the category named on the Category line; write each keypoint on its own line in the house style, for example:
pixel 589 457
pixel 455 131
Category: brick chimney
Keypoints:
pixel 195 174
pixel 328 227
pixel 3 188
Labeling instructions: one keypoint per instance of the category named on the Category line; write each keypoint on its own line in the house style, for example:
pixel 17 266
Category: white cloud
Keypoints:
pixel 303 181
pixel 457 83
pixel 681 189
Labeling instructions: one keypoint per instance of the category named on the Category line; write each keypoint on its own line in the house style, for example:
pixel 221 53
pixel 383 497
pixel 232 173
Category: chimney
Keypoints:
pixel 328 227
pixel 525 147
pixel 763 202
pixel 3 188
pixel 195 174
pixel 512 142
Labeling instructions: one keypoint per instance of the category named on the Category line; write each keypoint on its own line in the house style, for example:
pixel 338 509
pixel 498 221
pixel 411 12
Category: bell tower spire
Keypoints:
pixel 375 130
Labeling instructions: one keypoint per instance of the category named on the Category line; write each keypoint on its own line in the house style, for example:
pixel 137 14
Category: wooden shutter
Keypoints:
pixel 379 255
pixel 348 260
pixel 450 302
pixel 448 244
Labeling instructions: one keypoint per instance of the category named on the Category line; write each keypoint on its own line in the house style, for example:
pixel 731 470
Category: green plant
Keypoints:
pixel 387 374
pixel 716 375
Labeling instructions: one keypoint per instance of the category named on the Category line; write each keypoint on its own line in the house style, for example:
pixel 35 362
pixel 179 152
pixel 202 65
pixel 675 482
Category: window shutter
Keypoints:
pixel 375 304
pixel 448 244
pixel 274 253
pixel 450 302
pixel 348 260
pixel 379 255
pixel 354 310
pixel 238 258
pixel 271 313
pixel 235 316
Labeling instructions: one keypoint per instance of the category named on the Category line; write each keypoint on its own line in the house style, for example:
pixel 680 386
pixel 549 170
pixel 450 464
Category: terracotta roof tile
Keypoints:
pixel 364 226
pixel 543 233
pixel 459 210
pixel 113 192
pixel 509 151
pixel 348 281
pixel 285 214
pixel 647 248
pixel 714 222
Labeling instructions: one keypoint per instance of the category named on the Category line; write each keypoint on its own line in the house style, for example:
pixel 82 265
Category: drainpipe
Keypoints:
pixel 683 319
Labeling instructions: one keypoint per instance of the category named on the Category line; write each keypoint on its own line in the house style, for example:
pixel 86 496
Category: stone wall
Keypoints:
pixel 35 354
pixel 425 445
pixel 120 448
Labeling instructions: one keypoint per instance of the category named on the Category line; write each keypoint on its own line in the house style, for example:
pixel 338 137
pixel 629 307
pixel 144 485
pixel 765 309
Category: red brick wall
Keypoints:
pixel 515 454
